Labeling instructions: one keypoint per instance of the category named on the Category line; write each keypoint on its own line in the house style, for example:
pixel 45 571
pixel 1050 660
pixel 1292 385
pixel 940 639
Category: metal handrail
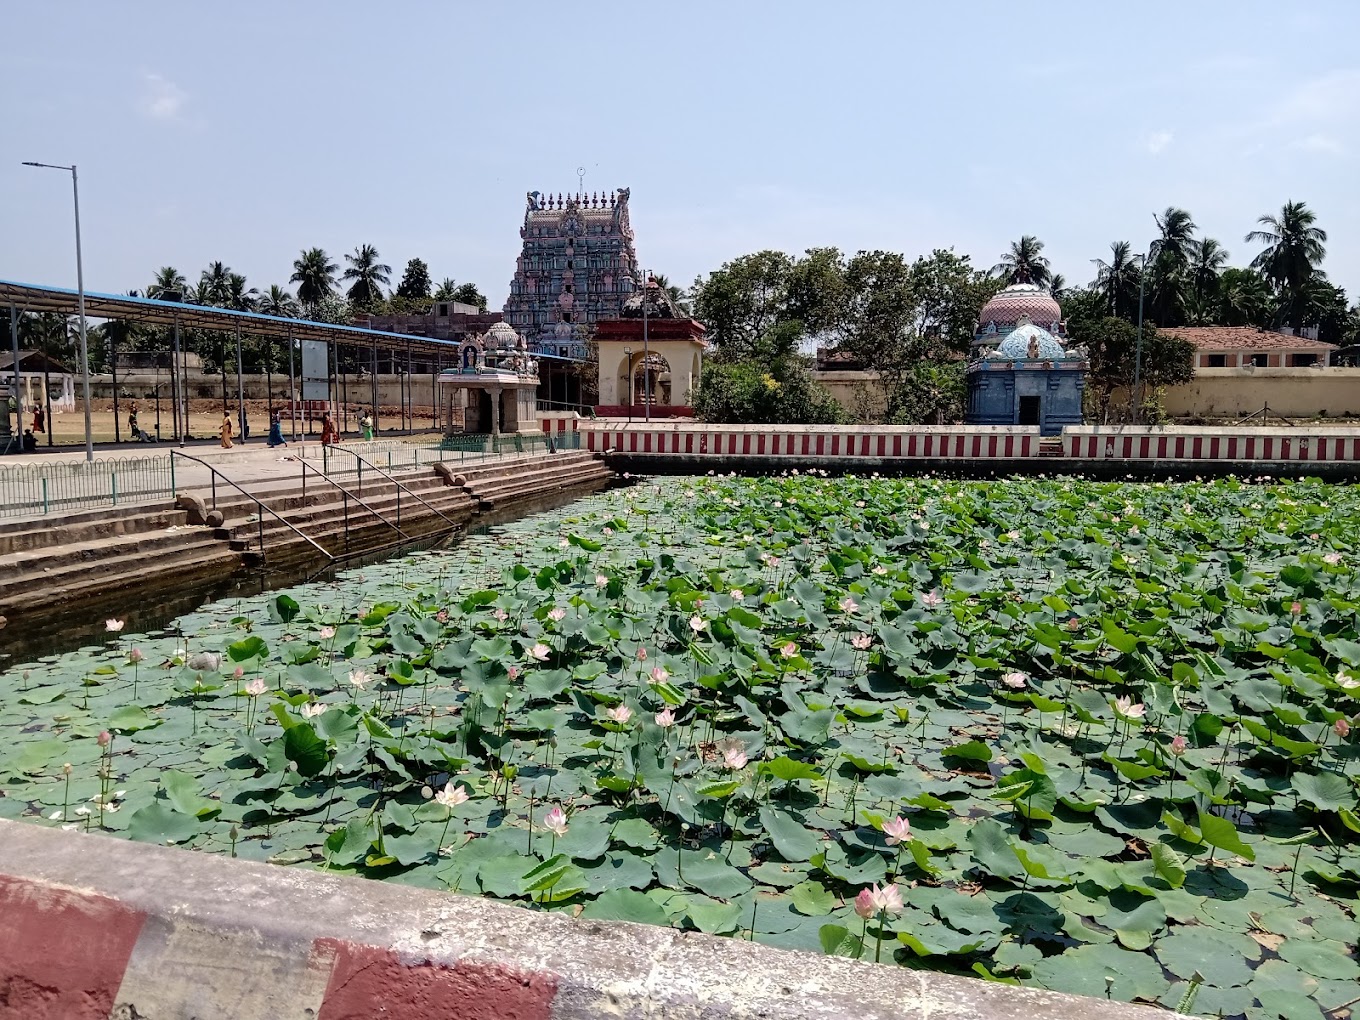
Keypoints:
pixel 401 487
pixel 349 495
pixel 260 504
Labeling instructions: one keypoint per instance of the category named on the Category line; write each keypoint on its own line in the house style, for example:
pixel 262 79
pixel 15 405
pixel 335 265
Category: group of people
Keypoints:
pixel 329 433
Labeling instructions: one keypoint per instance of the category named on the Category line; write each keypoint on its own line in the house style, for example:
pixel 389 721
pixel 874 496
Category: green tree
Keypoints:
pixel 1111 346
pixel 367 276
pixel 468 294
pixel 447 288
pixel 677 294
pixel 169 280
pixel 742 301
pixel 1024 262
pixel 238 296
pixel 214 285
pixel 1117 281
pixel 1294 249
pixel 415 281
pixel 278 302
pixel 314 273
pixel 1244 299
pixel 744 392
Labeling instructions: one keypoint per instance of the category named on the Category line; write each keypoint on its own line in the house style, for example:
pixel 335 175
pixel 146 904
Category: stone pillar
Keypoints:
pixel 495 392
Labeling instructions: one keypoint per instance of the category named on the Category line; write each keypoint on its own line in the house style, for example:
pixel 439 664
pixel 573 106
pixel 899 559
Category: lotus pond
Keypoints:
pixel 1091 737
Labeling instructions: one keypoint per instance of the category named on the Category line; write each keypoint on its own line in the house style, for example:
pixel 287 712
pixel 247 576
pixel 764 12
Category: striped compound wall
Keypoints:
pixel 987 443
pixel 98 928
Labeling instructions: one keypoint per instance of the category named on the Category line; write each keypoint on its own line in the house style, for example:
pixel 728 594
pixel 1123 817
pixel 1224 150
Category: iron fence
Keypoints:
pixel 28 490
pixel 397 456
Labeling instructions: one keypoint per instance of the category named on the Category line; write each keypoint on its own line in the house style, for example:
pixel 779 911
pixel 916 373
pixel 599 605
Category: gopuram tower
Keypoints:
pixel 577 266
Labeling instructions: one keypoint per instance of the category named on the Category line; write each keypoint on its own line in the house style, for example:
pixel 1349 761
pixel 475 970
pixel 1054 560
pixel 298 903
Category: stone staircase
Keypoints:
pixel 537 479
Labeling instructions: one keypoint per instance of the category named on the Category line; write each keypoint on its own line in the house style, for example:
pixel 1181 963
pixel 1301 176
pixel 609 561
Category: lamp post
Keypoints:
pixel 1138 350
pixel 646 349
pixel 80 297
pixel 628 360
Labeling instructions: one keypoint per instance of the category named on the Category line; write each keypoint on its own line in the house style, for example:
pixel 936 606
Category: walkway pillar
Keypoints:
pixel 240 388
pixel 15 388
pixel 292 390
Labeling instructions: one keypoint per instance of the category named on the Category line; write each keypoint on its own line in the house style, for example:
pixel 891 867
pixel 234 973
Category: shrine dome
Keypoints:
pixel 1016 346
pixel 501 336
pixel 1019 303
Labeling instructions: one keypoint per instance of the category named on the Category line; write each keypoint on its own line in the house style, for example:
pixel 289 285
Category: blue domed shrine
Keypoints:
pixel 1021 372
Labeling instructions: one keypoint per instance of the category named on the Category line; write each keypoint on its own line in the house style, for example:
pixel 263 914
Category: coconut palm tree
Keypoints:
pixel 214 287
pixel 1294 248
pixel 278 302
pixel 1207 259
pixel 1178 234
pixel 314 273
pixel 169 280
pixel 368 276
pixel 1117 280
pixel 1024 263
pixel 240 297
pixel 677 294
pixel 446 289
pixel 1243 298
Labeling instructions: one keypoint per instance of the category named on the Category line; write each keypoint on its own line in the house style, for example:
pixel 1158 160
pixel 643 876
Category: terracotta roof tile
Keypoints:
pixel 1245 338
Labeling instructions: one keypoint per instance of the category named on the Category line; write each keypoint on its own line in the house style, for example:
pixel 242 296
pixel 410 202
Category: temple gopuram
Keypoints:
pixel 578 266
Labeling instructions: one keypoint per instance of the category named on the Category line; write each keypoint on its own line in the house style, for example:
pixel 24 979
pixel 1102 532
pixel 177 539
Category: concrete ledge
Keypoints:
pixel 101 927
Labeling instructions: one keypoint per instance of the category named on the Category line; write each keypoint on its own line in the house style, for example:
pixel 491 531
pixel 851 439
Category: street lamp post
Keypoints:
pixel 646 349
pixel 80 297
pixel 628 361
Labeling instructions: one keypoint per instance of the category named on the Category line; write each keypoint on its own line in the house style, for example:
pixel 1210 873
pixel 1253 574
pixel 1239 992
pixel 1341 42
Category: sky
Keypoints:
pixel 249 131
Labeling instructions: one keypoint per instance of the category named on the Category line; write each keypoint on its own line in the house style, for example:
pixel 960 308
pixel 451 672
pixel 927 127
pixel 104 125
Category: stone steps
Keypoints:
pixel 25 535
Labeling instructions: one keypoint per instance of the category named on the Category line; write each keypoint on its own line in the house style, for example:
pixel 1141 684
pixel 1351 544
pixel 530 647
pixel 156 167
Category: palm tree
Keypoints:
pixel 314 273
pixel 1207 259
pixel 1024 263
pixel 446 289
pixel 1294 248
pixel 1178 233
pixel 367 274
pixel 1117 280
pixel 240 297
pixel 214 287
pixel 1243 298
pixel 278 302
pixel 1057 286
pixel 169 280
pixel 677 294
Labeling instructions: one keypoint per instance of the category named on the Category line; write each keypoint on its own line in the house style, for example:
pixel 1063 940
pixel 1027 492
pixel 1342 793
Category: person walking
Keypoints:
pixel 39 419
pixel 275 429
pixel 366 423
pixel 132 421
pixel 328 433
pixel 225 431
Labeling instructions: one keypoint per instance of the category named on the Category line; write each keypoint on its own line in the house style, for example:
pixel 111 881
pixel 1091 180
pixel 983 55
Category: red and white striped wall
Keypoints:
pixel 962 442
pixel 559 423
pixel 1090 442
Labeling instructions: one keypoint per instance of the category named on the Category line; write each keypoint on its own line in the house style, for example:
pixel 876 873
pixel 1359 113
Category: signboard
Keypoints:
pixel 316 374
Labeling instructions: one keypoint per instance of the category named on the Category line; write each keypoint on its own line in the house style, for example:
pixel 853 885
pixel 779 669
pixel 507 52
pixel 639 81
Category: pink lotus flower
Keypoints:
pixel 540 651
pixel 113 626
pixel 608 531
pixel 734 754
pixel 1295 608
pixel 601 581
pixel 1073 624
pixel 512 672
pixel 1014 680
pixel 326 633
pixel 359 679
pixel 736 594
pixel 451 796
pixel 873 899
pixel 659 675
pixel 697 624
pixel 1332 559
pixel 442 616
pixel 1346 681
pixel 865 904
pixel 879 570
pixel 555 821
pixel 256 687
pixel 898 830
pixel 931 599
pixel 1126 707
pixel 665 718
pixel 105 738
pixel 788 650
pixel 563 544
pixel 1013 534
pixel 1342 727
pixel 620 714
pixel 556 613
pixel 641 654
pixel 861 641
pixel 314 709
pixel 135 656
pixel 238 672
pixel 1178 745
pixel 848 605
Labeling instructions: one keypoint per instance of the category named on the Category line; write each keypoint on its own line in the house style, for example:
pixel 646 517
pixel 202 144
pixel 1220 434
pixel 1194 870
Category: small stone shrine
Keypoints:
pixel 1021 373
pixel 495 384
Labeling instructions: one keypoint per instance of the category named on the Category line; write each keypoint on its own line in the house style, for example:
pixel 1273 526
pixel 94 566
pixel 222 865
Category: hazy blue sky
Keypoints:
pixel 247 131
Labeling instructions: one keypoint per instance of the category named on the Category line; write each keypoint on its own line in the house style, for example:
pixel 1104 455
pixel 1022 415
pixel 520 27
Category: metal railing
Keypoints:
pixel 260 506
pixel 400 488
pixel 347 496
pixel 38 489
